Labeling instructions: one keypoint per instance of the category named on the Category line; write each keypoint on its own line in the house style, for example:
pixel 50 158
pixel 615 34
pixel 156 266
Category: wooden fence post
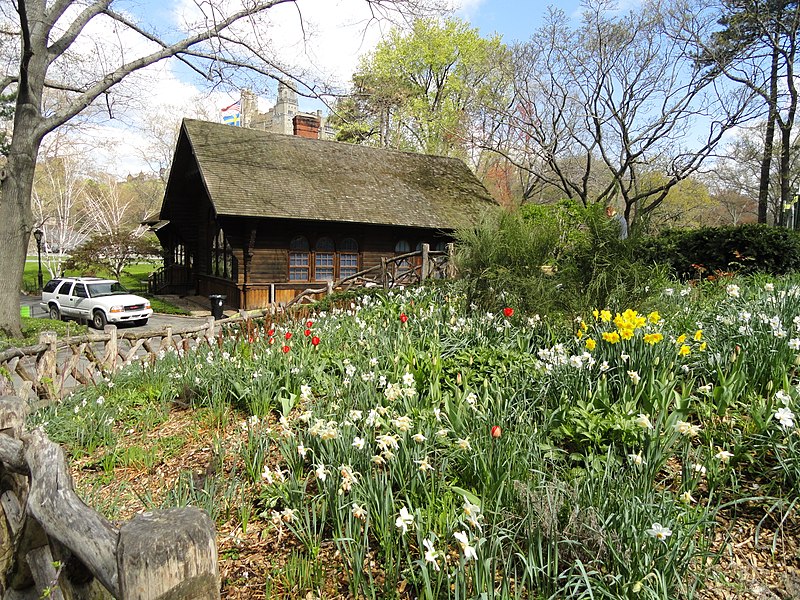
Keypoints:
pixel 423 275
pixel 384 273
pixel 169 554
pixel 450 269
pixel 46 367
pixel 210 330
pixel 112 348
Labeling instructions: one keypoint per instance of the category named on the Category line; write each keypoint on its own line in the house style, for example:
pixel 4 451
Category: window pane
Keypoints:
pixel 298 266
pixel 323 266
pixel 348 264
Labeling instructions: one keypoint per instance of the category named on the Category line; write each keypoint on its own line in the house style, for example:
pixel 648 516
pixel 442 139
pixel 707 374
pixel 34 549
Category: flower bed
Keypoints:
pixel 406 445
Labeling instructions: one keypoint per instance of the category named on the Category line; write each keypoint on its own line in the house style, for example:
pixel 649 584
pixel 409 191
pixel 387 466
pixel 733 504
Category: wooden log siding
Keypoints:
pixel 165 554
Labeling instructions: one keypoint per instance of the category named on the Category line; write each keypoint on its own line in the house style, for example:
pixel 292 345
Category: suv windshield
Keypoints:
pixel 107 288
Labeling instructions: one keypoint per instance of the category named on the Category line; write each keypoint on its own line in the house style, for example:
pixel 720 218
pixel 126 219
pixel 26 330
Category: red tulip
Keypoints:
pixel 309 324
pixel 403 317
pixel 271 332
pixel 288 335
pixel 308 332
pixel 496 431
pixel 250 339
pixel 508 311
pixel 315 341
pixel 271 341
pixel 285 349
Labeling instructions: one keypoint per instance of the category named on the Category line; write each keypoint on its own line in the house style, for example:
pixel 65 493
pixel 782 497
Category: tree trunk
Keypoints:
pixel 16 224
pixel 16 216
pixel 769 141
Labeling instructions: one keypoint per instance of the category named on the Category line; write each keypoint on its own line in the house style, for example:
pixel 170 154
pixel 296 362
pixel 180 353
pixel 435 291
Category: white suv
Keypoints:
pixel 97 301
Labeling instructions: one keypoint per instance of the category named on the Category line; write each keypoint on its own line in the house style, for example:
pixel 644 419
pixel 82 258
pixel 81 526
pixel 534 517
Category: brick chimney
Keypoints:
pixel 306 126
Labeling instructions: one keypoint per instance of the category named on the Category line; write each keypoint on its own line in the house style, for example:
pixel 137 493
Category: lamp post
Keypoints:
pixel 38 234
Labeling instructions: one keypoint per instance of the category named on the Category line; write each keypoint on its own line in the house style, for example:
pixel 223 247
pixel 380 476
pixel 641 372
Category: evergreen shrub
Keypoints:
pixel 741 249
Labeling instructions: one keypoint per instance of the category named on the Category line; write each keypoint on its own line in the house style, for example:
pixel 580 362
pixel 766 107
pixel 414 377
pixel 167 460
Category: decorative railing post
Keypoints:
pixel 46 365
pixel 111 355
pixel 425 268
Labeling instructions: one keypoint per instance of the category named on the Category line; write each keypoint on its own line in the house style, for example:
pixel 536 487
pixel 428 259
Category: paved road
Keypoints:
pixel 156 323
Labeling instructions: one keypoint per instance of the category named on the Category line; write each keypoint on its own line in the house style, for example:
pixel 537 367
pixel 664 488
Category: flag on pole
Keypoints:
pixel 235 118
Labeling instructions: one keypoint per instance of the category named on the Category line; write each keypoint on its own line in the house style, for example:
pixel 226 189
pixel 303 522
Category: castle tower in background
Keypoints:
pixel 279 118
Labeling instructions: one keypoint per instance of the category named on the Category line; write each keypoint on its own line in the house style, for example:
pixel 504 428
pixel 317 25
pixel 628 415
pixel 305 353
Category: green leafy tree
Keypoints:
pixel 112 252
pixel 424 90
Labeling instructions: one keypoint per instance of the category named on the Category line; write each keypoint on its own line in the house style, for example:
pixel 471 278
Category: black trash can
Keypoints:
pixel 216 305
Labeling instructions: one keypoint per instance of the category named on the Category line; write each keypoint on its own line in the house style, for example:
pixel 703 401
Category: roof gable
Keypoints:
pixel 259 174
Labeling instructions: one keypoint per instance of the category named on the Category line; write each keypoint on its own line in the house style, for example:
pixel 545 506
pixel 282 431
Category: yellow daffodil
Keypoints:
pixel 605 316
pixel 611 336
pixel 590 344
pixel 684 350
pixel 626 333
pixel 698 335
pixel 654 317
pixel 681 339
pixel 653 338
pixel 579 334
pixel 702 347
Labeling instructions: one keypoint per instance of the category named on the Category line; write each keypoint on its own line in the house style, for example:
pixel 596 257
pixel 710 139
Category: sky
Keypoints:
pixel 337 33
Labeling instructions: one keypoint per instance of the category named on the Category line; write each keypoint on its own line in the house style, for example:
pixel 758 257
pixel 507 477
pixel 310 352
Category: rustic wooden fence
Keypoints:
pixel 401 270
pixel 52 545
pixel 52 367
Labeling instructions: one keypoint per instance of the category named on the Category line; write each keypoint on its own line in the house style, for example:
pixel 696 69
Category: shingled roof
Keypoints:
pixel 258 174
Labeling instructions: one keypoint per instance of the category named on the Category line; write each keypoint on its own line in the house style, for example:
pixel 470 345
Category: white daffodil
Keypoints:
pixel 785 417
pixel 404 520
pixel 359 512
pixel 463 540
pixel 431 554
pixel 658 531
pixel 724 456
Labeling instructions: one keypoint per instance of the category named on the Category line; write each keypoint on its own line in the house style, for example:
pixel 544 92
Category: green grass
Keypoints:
pixel 31 328
pixel 134 277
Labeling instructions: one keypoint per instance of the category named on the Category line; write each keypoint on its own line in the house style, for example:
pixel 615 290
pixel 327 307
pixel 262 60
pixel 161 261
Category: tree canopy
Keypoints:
pixel 422 90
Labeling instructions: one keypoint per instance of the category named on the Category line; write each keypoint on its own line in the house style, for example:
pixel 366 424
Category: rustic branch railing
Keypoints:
pixel 403 269
pixel 48 369
pixel 53 545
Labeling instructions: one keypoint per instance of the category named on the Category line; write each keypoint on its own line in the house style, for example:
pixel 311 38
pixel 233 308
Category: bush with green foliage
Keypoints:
pixel 744 249
pixel 586 264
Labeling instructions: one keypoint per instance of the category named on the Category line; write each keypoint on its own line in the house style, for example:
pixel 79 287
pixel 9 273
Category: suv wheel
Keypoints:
pixel 98 319
pixel 55 314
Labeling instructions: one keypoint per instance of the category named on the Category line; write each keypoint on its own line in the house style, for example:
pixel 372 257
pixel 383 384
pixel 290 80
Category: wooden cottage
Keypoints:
pixel 259 216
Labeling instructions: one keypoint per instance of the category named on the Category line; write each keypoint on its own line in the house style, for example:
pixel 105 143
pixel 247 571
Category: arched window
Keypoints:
pixel 298 259
pixel 348 258
pixel 324 254
pixel 223 263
